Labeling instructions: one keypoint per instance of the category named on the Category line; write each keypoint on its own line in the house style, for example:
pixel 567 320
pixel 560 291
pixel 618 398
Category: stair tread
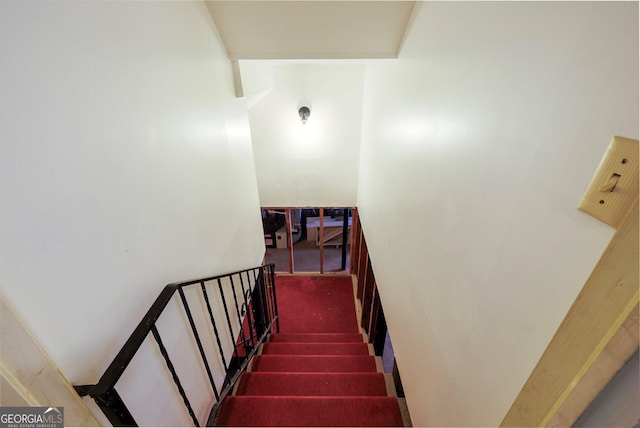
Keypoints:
pixel 314 363
pixel 318 371
pixel 277 348
pixel 316 337
pixel 312 384
pixel 309 411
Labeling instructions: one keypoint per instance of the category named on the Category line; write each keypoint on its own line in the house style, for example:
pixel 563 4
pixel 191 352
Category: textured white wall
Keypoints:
pixel 315 164
pixel 125 163
pixel 478 144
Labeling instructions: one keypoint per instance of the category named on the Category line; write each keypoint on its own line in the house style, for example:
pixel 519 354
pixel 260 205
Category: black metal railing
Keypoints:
pixel 249 316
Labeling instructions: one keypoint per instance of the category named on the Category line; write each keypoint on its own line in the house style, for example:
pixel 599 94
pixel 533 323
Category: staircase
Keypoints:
pixel 318 371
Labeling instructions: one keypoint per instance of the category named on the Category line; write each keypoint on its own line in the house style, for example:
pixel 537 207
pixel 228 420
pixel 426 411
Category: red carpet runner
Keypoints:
pixel 317 371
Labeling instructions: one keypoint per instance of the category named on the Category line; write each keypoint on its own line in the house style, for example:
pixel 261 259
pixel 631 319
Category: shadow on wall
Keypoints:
pixel 618 404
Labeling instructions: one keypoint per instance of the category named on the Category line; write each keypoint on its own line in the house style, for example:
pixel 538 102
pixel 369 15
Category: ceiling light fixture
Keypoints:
pixel 304 114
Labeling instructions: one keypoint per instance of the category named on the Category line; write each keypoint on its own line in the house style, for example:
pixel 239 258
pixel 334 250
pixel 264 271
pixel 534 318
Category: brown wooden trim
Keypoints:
pixel 374 313
pixel 359 238
pixel 620 348
pixel 321 240
pixel 287 214
pixel 28 375
pixel 367 298
pixel 602 307
pixel 355 224
pixel 363 261
pixel 302 273
pixel 355 257
pixel 366 289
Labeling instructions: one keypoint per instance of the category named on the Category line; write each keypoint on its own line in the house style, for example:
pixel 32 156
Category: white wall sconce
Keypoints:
pixel 304 114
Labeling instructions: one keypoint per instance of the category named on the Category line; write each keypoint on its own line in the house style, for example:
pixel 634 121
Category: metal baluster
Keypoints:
pixel 275 301
pixel 246 304
pixel 264 283
pixel 213 323
pixel 260 301
pixel 114 409
pixel 266 294
pixel 198 342
pixel 235 299
pixel 226 312
pixel 176 380
pixel 250 295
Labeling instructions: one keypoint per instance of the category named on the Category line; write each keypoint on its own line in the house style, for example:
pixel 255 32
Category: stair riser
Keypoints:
pixel 310 411
pixel 316 338
pixel 318 364
pixel 319 371
pixel 312 384
pixel 315 349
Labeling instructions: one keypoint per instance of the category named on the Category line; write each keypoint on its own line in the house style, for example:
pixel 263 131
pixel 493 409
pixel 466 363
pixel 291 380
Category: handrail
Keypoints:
pixel 257 312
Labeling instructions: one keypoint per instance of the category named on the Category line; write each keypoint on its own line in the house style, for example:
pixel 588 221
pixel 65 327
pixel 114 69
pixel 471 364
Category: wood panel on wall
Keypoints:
pixel 363 262
pixel 372 318
pixel 356 229
pixel 620 348
pixel 289 239
pixel 29 377
pixel 375 315
pixel 592 341
pixel 321 240
pixel 367 297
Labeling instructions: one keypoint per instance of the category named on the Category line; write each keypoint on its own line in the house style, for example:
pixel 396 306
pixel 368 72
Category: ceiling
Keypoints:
pixel 311 29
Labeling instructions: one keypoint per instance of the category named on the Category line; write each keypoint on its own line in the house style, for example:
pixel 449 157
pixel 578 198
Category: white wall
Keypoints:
pixel 125 163
pixel 478 144
pixel 315 164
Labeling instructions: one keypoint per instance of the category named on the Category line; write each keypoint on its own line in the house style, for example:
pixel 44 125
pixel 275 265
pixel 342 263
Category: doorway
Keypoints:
pixel 312 240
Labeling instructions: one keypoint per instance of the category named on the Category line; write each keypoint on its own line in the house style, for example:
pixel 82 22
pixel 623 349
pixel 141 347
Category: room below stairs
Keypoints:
pixel 319 369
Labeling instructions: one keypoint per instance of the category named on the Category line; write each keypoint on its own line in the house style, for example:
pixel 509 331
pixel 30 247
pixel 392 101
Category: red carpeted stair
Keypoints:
pixel 318 371
pixel 315 349
pixel 314 363
pixel 317 337
pixel 312 384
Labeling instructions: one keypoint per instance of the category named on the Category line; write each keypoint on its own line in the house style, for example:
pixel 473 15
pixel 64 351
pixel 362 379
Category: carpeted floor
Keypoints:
pixel 316 304
pixel 317 371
